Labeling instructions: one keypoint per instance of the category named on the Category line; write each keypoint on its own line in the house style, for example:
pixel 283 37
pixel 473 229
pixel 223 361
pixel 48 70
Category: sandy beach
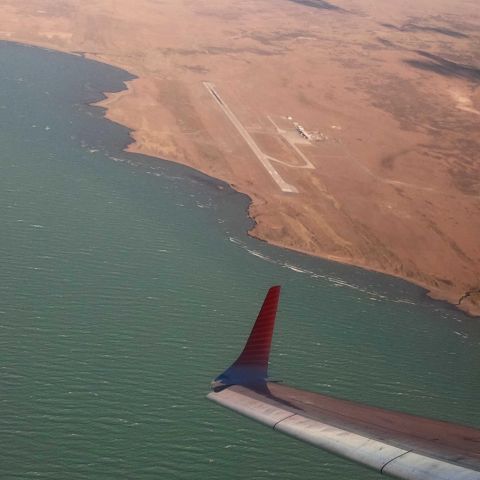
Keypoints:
pixel 353 126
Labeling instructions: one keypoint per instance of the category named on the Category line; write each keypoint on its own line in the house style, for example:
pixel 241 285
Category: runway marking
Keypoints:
pixel 264 159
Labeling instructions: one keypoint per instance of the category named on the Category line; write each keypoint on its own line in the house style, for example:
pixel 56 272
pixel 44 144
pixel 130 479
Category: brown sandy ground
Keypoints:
pixel 390 89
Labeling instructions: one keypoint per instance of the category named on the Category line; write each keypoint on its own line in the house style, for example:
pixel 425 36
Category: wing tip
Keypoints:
pixel 252 364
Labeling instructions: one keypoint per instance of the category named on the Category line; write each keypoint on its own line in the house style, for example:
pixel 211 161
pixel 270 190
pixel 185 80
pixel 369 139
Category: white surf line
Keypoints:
pixel 284 186
pixel 308 163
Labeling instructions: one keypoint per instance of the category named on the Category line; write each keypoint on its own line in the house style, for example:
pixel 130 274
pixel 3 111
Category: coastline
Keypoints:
pixel 438 296
pixel 324 226
pixel 470 309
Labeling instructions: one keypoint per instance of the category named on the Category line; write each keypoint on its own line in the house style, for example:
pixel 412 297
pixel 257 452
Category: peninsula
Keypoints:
pixel 354 126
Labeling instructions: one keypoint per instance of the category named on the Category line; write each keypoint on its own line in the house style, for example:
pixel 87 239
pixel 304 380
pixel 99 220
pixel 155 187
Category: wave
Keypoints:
pixel 338 282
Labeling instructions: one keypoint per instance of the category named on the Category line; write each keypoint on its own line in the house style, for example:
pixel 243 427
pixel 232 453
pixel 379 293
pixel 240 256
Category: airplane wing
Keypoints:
pixel 393 443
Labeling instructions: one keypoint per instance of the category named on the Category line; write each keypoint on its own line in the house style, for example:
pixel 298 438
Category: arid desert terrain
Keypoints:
pixel 354 126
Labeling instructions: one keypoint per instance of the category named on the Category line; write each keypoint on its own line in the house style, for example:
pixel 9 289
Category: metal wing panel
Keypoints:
pixel 258 410
pixel 394 443
pixel 419 467
pixel 283 414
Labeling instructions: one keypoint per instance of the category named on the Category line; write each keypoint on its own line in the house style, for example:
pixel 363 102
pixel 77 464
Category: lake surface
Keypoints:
pixel 127 283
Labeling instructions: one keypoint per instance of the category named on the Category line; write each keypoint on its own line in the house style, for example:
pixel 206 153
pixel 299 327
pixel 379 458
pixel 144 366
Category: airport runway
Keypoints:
pixel 284 186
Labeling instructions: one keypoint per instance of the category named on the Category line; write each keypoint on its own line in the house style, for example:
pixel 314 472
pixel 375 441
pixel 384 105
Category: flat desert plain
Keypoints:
pixel 354 126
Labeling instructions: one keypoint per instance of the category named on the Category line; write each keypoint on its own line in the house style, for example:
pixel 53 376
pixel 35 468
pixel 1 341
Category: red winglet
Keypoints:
pixel 257 348
pixel 252 364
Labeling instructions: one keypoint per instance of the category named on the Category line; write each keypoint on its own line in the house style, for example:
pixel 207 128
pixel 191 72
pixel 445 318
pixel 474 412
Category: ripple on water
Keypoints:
pixel 118 312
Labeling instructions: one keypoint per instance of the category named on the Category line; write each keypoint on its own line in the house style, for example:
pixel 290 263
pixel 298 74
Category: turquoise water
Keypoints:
pixel 127 283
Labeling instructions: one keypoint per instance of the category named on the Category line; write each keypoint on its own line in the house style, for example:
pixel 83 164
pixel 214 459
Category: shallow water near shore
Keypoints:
pixel 127 283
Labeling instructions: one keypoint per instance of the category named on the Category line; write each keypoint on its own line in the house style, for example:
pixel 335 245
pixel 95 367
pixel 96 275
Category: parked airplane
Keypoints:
pixel 392 443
